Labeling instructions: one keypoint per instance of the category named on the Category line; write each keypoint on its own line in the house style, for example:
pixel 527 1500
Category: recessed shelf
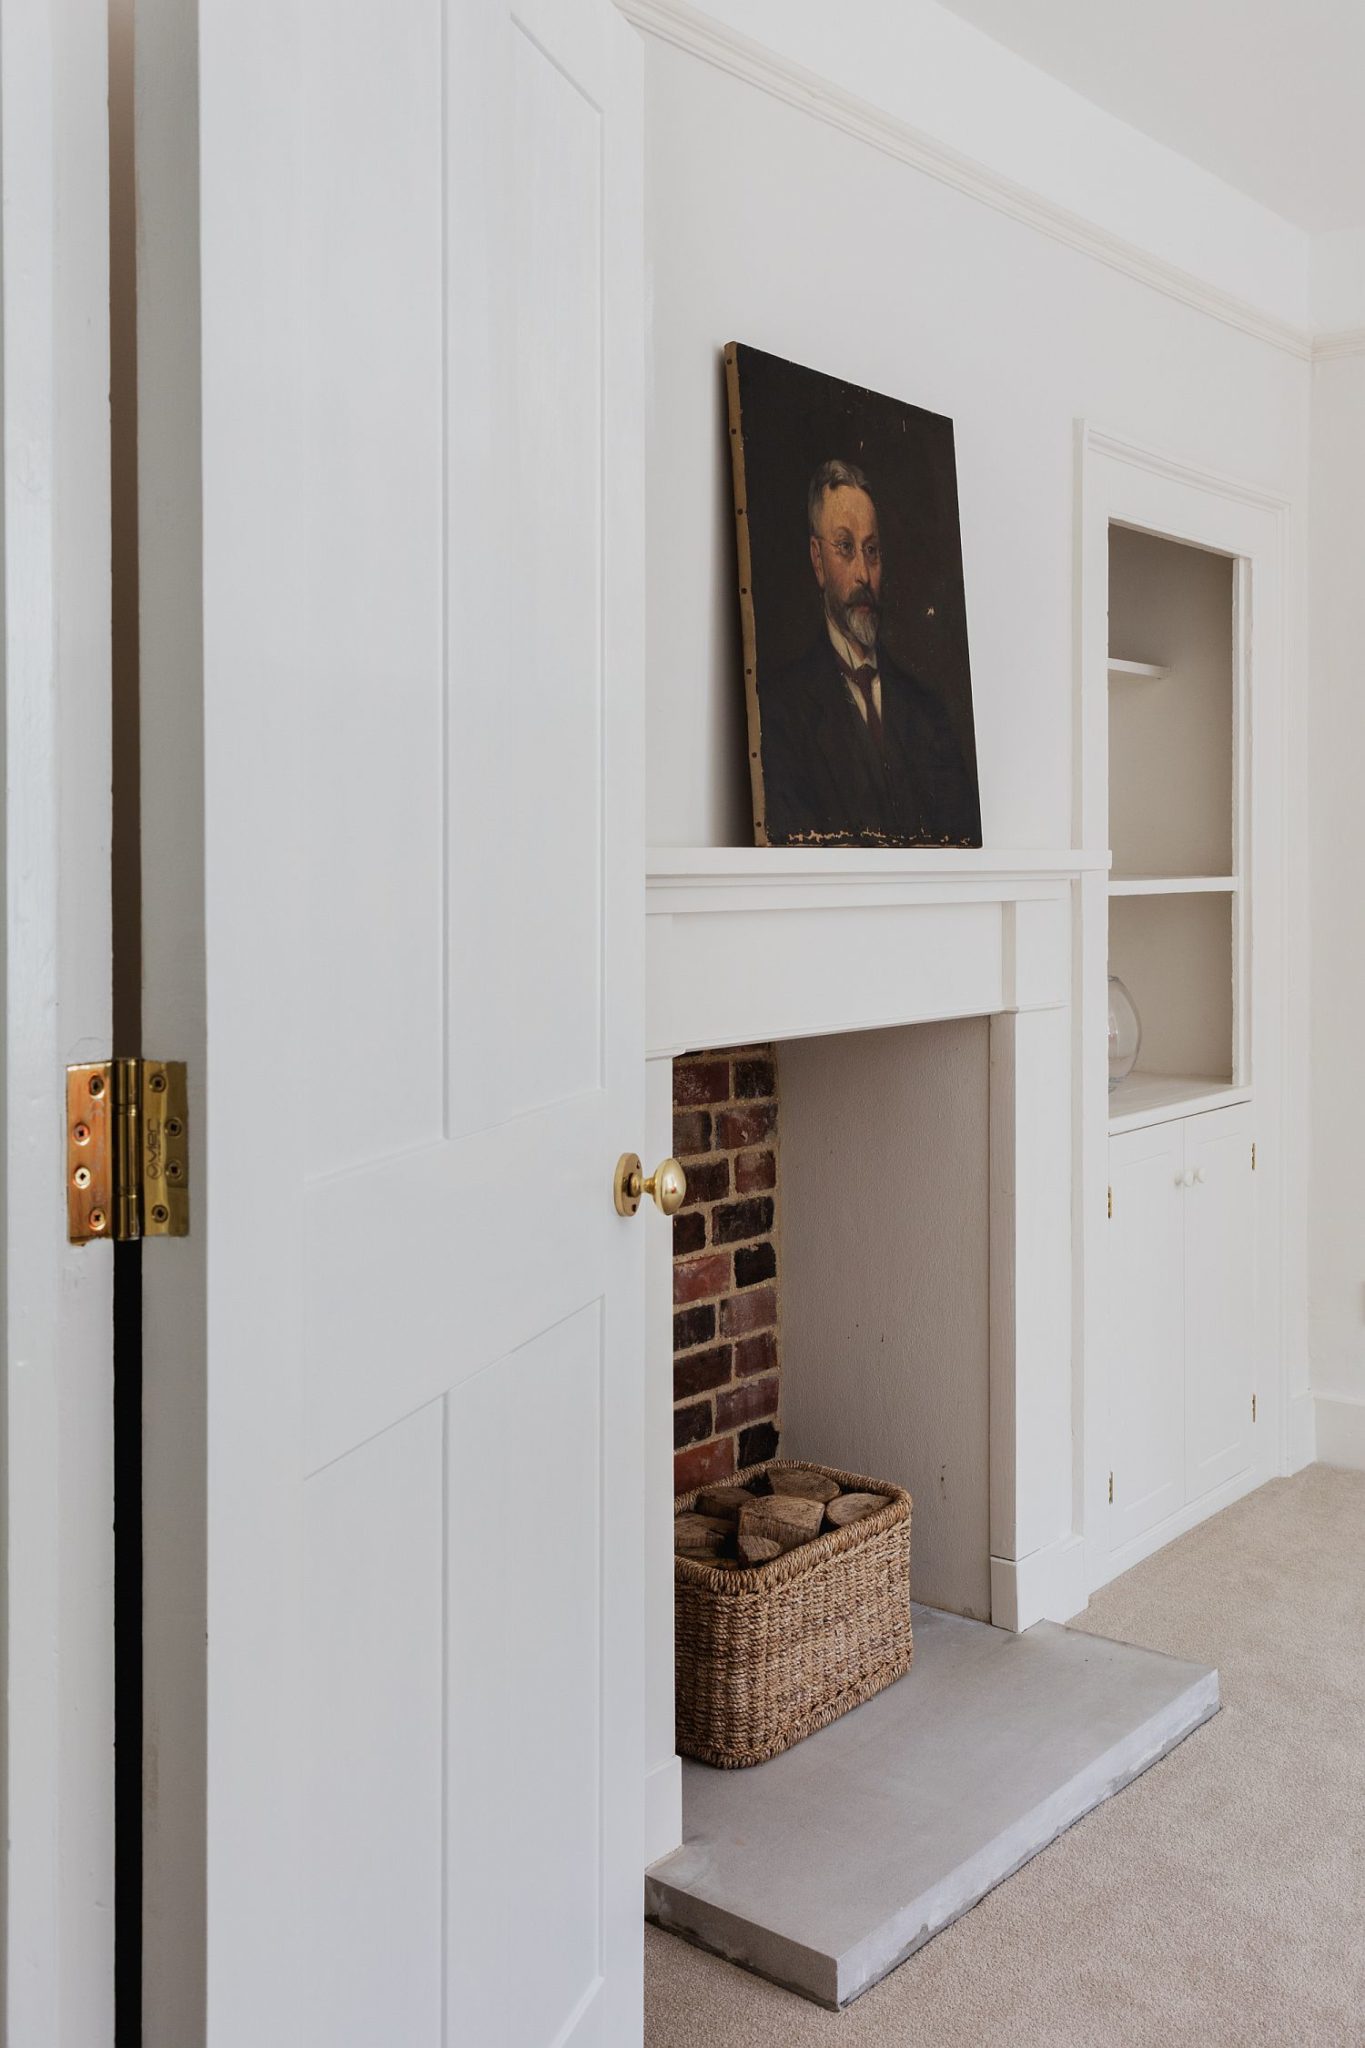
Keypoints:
pixel 1148 671
pixel 1159 1098
pixel 1173 885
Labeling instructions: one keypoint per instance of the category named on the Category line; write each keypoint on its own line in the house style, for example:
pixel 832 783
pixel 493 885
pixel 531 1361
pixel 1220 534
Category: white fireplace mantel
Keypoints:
pixel 786 942
pixel 749 944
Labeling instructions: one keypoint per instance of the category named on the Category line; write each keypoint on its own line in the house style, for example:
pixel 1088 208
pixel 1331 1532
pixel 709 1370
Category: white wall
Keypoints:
pixel 768 225
pixel 1337 989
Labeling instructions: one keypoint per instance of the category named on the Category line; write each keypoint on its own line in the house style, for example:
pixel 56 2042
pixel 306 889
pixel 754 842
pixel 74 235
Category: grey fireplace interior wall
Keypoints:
pixel 886 1256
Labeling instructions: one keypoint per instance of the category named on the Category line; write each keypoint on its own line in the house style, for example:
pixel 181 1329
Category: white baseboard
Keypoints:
pixel 1107 1566
pixel 663 1810
pixel 1340 1430
pixel 1047 1585
pixel 1301 1431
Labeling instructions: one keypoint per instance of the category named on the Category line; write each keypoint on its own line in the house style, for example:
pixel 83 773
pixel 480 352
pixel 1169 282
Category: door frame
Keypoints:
pixel 57 1298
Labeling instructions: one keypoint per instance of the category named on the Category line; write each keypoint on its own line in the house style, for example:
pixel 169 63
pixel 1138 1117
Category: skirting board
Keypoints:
pixel 1048 1585
pixel 663 1809
pixel 1301 1432
pixel 1340 1422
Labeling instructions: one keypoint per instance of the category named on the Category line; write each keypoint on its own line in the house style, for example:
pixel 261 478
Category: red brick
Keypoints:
pixel 703 1464
pixel 756 1354
pixel 691 1132
pixel 707 1183
pixel 755 1078
pixel 758 1444
pixel 689 1233
pixel 755 1171
pixel 696 1372
pixel 737 1220
pixel 752 1311
pixel 697 1279
pixel 702 1082
pixel 752 1401
pixel 736 1127
pixel 694 1326
pixel 691 1425
pixel 755 1262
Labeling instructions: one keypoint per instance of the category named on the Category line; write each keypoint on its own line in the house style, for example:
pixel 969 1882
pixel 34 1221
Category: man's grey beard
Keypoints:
pixel 859 622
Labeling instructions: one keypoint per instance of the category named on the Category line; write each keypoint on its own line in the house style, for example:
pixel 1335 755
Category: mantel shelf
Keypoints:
pixel 671 870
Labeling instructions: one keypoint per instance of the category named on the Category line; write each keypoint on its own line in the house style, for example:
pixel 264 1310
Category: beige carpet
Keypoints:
pixel 1219 1901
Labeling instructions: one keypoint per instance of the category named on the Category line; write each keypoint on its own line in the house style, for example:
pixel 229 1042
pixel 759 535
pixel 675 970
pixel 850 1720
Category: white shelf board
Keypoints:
pixel 1159 1098
pixel 1148 671
pixel 1173 885
pixel 750 863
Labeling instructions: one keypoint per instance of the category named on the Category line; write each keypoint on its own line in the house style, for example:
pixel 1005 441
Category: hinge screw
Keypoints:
pixel 97 1219
pixel 97 1084
pixel 81 1134
pixel 160 1213
pixel 158 1083
pixel 81 1176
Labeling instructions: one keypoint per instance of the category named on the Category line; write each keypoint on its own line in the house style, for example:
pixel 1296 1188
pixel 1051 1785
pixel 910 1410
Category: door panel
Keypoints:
pixel 56 1299
pixel 1220 1307
pixel 419 271
pixel 1146 1326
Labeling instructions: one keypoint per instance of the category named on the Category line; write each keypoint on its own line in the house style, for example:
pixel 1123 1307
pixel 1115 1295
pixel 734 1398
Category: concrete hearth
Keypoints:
pixel 828 1866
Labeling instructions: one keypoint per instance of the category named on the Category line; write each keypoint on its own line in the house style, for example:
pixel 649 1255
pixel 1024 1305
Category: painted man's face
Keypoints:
pixel 846 555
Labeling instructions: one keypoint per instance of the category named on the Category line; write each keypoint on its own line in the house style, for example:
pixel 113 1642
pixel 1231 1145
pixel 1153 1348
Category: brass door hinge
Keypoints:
pixel 1253 1155
pixel 127 1151
pixel 1111 1205
pixel 1111 1489
pixel 1253 1407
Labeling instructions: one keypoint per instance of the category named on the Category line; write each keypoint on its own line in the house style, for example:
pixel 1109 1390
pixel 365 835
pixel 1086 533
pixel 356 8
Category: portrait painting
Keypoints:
pixel 856 671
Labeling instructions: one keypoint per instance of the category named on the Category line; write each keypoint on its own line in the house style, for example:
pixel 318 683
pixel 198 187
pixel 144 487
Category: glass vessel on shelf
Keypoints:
pixel 1125 1033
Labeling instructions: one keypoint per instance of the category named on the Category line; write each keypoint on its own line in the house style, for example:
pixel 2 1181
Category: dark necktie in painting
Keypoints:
pixel 855 622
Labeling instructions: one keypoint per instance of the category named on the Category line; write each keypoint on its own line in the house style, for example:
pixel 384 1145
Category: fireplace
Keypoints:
pixel 920 1006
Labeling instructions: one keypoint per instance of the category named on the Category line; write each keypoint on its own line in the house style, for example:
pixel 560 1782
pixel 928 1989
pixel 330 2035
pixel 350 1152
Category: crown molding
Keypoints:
pixel 1331 348
pixel 686 28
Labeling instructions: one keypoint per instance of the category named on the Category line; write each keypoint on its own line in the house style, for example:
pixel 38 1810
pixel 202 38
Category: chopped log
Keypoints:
pixel 756 1549
pixel 808 1485
pixel 851 1507
pixel 699 1536
pixel 723 1502
pixel 785 1517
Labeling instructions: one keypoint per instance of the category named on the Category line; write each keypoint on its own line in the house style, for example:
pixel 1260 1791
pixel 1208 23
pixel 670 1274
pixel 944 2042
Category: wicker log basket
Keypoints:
pixel 768 1654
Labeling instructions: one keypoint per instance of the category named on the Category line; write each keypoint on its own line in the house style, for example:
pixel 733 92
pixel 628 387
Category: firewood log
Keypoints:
pixel 723 1502
pixel 756 1549
pixel 699 1536
pixel 851 1507
pixel 784 1517
pixel 808 1485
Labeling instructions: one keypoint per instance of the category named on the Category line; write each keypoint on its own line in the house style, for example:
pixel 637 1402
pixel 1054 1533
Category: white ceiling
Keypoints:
pixel 1265 93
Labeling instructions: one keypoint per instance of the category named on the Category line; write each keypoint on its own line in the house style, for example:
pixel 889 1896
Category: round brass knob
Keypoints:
pixel 667 1184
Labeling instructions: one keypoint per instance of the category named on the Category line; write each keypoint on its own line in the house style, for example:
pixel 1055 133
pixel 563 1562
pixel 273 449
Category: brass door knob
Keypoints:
pixel 667 1184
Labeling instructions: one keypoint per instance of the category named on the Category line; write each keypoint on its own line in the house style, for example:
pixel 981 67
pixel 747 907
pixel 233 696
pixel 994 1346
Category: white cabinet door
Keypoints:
pixel 415 269
pixel 1220 1329
pixel 1147 1329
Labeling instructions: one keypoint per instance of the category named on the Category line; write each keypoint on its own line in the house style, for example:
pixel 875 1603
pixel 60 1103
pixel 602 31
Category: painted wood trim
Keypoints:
pixel 1347 341
pixel 684 27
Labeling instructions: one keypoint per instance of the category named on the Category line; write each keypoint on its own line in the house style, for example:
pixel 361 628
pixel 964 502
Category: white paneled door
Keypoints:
pixel 419 246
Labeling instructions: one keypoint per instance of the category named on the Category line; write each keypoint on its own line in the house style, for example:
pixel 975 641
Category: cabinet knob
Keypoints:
pixel 1200 1175
pixel 1184 1180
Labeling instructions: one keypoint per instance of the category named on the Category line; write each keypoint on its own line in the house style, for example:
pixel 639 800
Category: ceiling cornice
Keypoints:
pixel 686 28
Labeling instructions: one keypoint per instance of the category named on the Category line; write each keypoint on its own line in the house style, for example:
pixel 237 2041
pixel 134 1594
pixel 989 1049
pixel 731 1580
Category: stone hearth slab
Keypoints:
pixel 828 1866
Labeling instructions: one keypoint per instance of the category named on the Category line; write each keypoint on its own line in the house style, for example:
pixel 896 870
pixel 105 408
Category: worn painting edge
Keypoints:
pixel 746 590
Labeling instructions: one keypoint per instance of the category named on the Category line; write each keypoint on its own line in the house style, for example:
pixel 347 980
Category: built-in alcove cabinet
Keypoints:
pixel 1181 1238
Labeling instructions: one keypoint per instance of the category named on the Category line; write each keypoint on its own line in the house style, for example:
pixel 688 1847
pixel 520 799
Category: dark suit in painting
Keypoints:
pixel 826 781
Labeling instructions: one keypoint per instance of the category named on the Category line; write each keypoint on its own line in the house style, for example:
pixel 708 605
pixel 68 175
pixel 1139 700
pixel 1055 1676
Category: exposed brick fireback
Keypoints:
pixel 727 1263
